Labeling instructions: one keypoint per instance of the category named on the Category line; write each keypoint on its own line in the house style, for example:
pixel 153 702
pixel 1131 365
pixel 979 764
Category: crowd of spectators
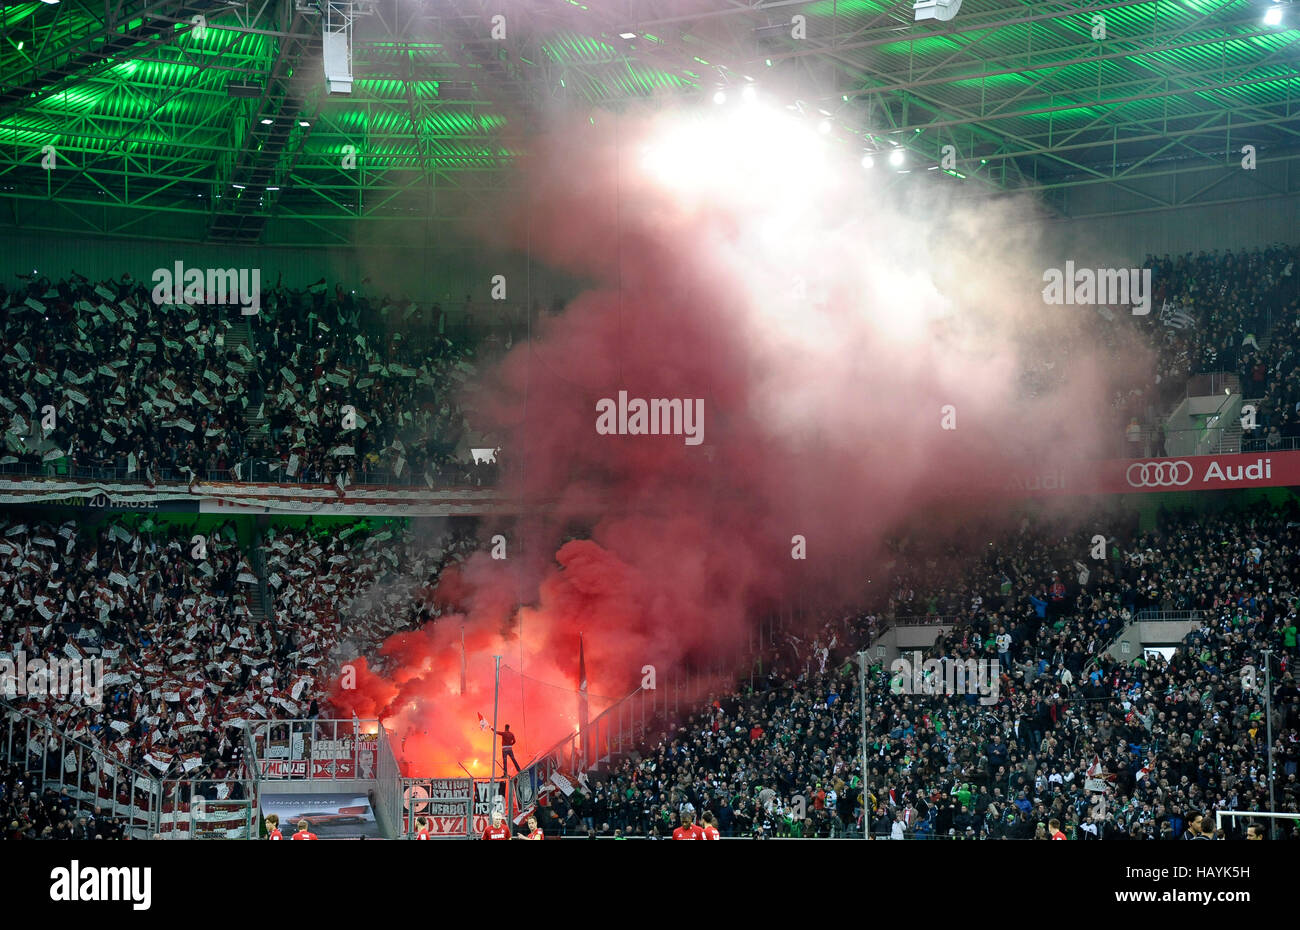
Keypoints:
pixel 1156 739
pixel 101 381
pixel 1210 312
pixel 1112 748
pixel 354 591
pixel 1213 309
pixel 188 665
pixel 159 392
pixel 200 648
pixel 31 811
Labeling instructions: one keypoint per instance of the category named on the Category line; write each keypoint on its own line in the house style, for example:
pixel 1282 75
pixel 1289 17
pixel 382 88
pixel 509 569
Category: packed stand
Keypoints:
pixel 188 667
pixel 31 811
pixel 1214 309
pixel 344 591
pixel 101 382
pixel 1209 312
pixel 1110 749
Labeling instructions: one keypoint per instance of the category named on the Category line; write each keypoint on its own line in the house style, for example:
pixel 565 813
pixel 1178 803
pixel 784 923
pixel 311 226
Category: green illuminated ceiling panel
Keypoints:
pixel 155 119
pixel 843 7
pixel 571 48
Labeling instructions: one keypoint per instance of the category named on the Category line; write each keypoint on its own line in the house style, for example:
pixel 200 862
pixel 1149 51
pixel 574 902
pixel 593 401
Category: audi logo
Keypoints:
pixel 1159 474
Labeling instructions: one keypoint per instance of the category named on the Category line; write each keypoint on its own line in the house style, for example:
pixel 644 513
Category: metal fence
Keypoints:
pixel 1207 383
pixel 95 784
pixel 319 749
pixel 849 836
pixel 1150 614
pixel 389 793
pixel 924 620
pixel 1282 444
pixel 258 472
pixel 92 783
pixel 206 809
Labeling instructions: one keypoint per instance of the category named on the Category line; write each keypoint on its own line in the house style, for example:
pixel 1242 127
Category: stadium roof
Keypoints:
pixel 160 126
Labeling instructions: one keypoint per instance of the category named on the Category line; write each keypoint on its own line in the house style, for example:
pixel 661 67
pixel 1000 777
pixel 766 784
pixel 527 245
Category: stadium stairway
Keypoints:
pixel 239 338
pixel 260 603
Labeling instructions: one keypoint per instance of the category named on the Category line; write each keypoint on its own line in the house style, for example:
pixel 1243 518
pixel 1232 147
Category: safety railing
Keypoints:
pixel 389 791
pixel 320 749
pixel 1210 438
pixel 1264 444
pixel 1149 614
pixel 925 620
pixel 94 782
pixel 259 472
pixel 208 809
pixel 1205 383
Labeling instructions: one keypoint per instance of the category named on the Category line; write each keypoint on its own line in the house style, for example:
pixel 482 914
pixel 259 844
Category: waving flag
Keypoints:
pixel 482 724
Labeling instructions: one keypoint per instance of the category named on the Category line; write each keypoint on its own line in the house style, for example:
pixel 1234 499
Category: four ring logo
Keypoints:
pixel 1159 474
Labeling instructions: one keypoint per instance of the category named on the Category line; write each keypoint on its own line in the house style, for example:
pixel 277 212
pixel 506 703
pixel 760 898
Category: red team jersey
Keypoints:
pixel 496 833
pixel 303 835
pixel 687 833
pixel 536 834
pixel 423 834
pixel 711 833
pixel 275 835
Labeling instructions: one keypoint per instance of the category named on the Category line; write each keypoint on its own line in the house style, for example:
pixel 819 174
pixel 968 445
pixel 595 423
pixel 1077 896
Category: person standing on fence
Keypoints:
pixel 508 748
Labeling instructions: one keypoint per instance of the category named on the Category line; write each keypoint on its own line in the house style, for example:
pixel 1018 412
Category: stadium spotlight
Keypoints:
pixel 896 157
pixel 868 161
pixel 266 121
pixel 749 94
pixel 824 126
pixel 305 124
pixel 337 22
pixel 1274 15
pixel 719 97
pixel 627 35
pixel 943 10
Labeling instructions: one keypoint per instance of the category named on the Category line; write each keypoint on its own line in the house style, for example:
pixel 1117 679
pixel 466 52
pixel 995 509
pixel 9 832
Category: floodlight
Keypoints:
pixel 935 9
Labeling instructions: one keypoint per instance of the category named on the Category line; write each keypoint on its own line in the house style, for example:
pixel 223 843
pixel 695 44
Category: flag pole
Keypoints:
pixel 1268 723
pixel 583 735
pixel 496 692
pixel 866 792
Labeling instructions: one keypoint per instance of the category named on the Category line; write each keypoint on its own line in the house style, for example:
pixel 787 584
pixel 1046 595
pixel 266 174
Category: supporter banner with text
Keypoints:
pixel 445 802
pixel 1143 476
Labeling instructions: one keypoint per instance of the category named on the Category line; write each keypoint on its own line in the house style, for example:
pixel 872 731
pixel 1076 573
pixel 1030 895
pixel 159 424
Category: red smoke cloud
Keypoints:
pixel 746 263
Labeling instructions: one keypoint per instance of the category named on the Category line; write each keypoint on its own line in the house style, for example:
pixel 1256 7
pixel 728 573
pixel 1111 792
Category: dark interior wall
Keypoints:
pixel 447 273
